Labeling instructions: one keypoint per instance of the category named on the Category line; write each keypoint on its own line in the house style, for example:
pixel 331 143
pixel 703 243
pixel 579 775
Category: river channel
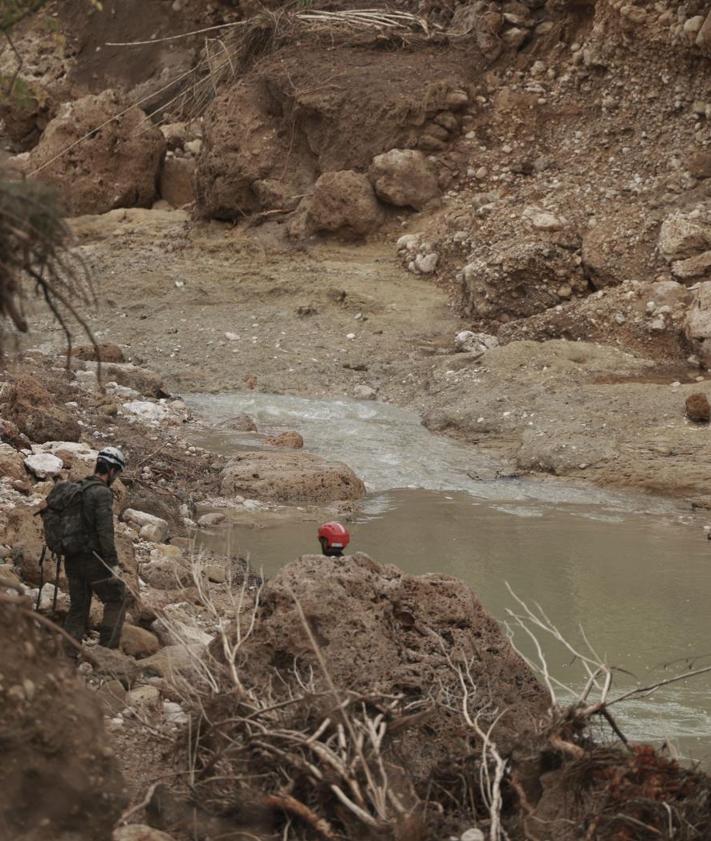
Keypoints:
pixel 633 571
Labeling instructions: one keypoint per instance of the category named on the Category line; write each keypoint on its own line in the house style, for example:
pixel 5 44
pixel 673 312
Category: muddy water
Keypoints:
pixel 634 572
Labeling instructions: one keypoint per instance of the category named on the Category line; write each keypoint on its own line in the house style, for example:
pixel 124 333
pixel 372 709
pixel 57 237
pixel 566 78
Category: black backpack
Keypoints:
pixel 65 531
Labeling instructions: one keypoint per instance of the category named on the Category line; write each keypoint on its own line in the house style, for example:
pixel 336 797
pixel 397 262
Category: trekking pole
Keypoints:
pixel 56 583
pixel 41 585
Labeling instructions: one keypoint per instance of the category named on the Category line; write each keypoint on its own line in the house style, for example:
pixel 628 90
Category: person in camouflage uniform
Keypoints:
pixel 94 569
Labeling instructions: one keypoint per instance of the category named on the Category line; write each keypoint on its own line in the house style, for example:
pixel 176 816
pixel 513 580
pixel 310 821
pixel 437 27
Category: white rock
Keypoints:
pixel 472 834
pixel 174 713
pixel 467 341
pixel 46 599
pixel 77 448
pixel 543 220
pixel 426 263
pixel 122 391
pixel 146 410
pixel 44 465
pixel 141 518
pixel 692 25
pixel 408 242
pixel 232 337
pixel 151 528
pixel 194 146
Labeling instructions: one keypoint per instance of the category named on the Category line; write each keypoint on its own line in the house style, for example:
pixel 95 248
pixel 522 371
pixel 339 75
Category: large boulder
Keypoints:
pixel 290 476
pixel 404 177
pixel 100 153
pixel 343 202
pixel 519 280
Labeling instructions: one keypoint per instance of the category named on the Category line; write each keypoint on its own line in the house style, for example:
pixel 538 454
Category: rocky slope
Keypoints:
pixel 524 192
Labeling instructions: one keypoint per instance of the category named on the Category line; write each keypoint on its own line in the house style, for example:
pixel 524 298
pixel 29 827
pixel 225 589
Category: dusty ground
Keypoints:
pixel 319 321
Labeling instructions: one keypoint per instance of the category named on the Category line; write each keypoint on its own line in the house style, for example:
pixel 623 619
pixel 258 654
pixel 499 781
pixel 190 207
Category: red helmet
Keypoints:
pixel 334 536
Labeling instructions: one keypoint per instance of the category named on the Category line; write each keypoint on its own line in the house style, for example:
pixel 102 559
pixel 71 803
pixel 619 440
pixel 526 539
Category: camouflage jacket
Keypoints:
pixel 98 503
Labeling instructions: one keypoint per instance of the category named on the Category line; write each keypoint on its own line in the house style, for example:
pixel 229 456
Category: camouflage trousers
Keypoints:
pixel 88 577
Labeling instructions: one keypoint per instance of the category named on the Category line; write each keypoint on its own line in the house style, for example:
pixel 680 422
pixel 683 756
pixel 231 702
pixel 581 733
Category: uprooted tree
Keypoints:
pixel 35 258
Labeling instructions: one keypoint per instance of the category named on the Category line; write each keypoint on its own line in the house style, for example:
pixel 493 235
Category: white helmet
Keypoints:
pixel 112 456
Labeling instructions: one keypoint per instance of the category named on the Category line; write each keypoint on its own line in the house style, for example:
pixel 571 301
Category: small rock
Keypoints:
pixel 156 529
pixel 620 318
pixel 153 533
pixel 47 594
pixel 698 408
pixel 543 220
pixel 214 518
pixel 292 440
pixel 194 146
pixel 112 697
pixel 143 696
pixel 11 463
pixel 174 713
pixel 138 643
pixel 216 573
pixel 472 834
pixel 364 392
pixel 241 423
pixel 466 341
pixel 426 263
pixel 408 242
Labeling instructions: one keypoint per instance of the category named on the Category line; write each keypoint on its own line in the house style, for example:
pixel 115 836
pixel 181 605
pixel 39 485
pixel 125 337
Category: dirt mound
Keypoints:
pixel 117 165
pixel 338 642
pixel 58 776
pixel 520 279
pixel 290 476
pixel 647 318
pixel 381 630
pixel 39 416
pixel 282 125
pixel 106 351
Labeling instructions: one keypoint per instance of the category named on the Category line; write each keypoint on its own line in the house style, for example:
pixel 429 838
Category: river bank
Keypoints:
pixel 217 309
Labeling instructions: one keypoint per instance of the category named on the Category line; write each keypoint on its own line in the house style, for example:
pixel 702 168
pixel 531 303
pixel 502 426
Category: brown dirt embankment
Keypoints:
pixel 59 777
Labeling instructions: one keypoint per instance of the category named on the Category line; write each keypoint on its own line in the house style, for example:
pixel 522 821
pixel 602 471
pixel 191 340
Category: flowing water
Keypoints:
pixel 634 572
